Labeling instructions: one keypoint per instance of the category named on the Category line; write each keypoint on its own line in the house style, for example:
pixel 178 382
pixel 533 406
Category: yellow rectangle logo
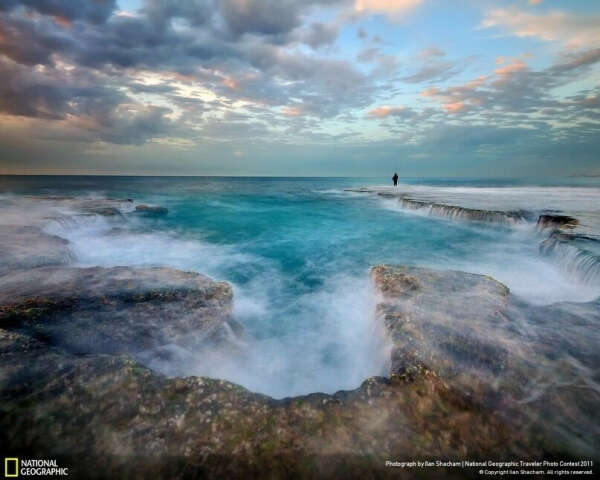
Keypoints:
pixel 11 467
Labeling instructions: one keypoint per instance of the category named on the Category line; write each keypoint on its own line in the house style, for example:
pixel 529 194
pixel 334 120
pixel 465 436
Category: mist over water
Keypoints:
pixel 298 253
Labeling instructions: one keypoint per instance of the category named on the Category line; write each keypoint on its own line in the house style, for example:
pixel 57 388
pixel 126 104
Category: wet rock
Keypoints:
pixel 442 319
pixel 68 392
pixel 29 247
pixel 556 222
pixel 448 210
pixel 526 363
pixel 577 254
pixel 559 360
pixel 109 207
pixel 115 310
pixel 151 210
pixel 103 210
pixel 106 207
pixel 463 213
pixel 108 417
pixel 77 397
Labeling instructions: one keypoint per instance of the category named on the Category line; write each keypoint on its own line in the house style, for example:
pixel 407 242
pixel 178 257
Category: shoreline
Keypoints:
pixel 82 330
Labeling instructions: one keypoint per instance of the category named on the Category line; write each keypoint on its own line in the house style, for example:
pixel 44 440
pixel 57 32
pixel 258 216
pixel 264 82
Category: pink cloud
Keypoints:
pixel 469 86
pixel 386 110
pixel 510 68
pixel 63 21
pixel 457 98
pixel 431 92
pixel 574 31
pixel 230 83
pixel 454 107
pixel 292 111
pixel 396 9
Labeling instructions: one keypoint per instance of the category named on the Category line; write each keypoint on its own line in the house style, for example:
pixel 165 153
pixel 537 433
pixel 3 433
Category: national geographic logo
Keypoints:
pixel 31 467
pixel 11 467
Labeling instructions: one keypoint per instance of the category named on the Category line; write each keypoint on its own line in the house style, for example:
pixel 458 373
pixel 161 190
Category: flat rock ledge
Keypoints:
pixel 573 242
pixel 524 363
pixel 448 210
pixel 115 310
pixel 70 388
pixel 448 320
pixel 29 247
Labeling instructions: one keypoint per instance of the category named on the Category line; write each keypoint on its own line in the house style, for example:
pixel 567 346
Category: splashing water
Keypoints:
pixel 297 252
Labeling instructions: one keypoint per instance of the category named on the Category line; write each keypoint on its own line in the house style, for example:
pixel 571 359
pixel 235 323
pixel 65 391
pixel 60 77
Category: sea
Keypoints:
pixel 298 253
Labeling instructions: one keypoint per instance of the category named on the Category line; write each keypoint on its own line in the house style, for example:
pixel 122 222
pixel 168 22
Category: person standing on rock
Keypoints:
pixel 395 179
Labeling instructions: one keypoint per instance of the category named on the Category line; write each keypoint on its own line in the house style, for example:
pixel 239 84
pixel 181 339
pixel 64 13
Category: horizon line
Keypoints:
pixel 287 176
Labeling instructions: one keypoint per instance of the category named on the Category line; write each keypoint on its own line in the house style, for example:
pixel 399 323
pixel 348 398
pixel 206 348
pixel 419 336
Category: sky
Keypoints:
pixel 433 88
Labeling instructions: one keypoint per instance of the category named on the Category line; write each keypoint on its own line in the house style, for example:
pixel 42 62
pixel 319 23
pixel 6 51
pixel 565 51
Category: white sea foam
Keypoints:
pixel 320 339
pixel 331 343
pixel 324 340
pixel 585 199
pixel 572 275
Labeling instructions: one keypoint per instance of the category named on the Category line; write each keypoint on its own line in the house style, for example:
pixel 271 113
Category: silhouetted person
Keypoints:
pixel 395 179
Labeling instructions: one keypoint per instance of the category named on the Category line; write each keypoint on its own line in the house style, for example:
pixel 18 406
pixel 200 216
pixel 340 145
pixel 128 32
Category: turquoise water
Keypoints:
pixel 298 252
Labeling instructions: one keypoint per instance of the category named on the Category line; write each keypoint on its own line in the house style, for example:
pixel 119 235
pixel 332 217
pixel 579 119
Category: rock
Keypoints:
pixel 29 247
pixel 556 351
pixel 107 416
pixel 462 213
pixel 151 210
pixel 445 320
pixel 103 210
pixel 115 310
pixel 70 389
pixel 556 222
pixel 109 207
pixel 525 363
pixel 67 390
pixel 577 254
pixel 446 209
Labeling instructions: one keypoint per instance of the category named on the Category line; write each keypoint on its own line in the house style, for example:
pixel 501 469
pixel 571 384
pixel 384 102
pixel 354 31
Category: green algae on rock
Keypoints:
pixel 500 352
pixel 107 415
pixel 116 310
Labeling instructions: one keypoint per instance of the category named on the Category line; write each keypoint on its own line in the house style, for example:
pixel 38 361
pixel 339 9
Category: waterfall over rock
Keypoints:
pixel 575 254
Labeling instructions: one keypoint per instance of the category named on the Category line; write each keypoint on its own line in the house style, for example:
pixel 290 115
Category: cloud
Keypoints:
pixel 238 74
pixel 395 9
pixel 454 107
pixel 292 111
pixel 509 69
pixel 319 35
pixel 31 43
pixel 431 52
pixel 265 17
pixel 203 62
pixel 389 111
pixel 515 94
pixel 433 71
pixel 574 31
pixel 96 12
pixel 161 12
pixel 432 67
pixel 82 106
pixel 268 17
pixel 368 55
pixel 577 60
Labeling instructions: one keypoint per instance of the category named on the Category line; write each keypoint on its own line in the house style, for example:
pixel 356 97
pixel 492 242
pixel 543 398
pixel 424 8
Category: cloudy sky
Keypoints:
pixel 438 88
